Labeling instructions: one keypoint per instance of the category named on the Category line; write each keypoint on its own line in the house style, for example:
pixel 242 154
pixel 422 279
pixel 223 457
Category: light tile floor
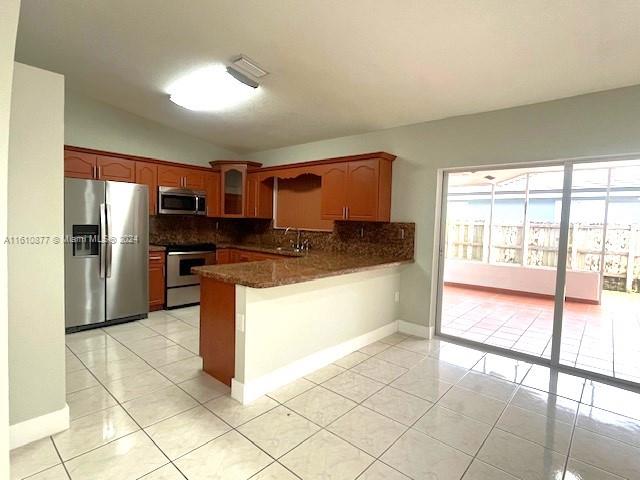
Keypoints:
pixel 598 338
pixel 402 408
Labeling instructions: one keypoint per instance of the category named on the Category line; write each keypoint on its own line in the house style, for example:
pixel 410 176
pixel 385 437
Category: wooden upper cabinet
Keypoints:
pixel 212 187
pixel 79 165
pixel 194 179
pixel 362 190
pixel 170 176
pixel 147 174
pixel 233 182
pixel 259 196
pixel 334 192
pixel 358 190
pixel 98 167
pixel 182 177
pixel 116 169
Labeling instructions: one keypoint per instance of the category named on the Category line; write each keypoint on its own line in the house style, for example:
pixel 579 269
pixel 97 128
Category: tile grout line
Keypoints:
pixel 132 419
pixel 314 385
pixel 416 421
pixel 231 427
pixel 573 431
pixel 126 411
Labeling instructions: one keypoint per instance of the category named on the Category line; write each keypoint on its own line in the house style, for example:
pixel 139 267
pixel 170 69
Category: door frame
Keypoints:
pixel 435 313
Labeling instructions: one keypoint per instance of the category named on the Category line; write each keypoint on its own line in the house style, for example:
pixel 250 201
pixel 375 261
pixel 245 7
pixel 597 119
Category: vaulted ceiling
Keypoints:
pixel 337 67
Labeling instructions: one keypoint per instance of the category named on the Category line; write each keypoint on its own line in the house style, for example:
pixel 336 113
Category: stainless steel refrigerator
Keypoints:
pixel 106 252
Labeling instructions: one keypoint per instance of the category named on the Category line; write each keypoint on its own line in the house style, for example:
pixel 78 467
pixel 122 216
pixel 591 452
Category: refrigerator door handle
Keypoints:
pixel 109 241
pixel 103 240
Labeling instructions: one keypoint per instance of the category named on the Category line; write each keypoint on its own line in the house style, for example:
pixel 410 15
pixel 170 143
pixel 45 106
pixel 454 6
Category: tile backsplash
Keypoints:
pixel 365 238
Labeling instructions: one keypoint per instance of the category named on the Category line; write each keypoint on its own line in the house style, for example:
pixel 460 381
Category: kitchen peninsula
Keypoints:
pixel 266 323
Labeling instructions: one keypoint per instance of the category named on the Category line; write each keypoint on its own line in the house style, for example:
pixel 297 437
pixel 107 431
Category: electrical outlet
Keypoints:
pixel 240 322
pixel 397 297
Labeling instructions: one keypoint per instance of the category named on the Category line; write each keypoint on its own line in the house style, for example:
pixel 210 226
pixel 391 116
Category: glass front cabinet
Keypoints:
pixel 233 186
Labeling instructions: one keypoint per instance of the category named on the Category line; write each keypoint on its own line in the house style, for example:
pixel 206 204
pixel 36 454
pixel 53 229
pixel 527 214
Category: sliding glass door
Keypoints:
pixel 514 239
pixel 500 258
pixel 601 314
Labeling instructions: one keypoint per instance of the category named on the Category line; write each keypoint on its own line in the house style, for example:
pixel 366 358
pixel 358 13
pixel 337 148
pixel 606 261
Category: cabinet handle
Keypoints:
pixel 99 173
pixel 94 171
pixel 346 213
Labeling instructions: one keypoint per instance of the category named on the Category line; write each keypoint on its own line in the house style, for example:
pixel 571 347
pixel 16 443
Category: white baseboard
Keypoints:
pixel 249 391
pixel 414 329
pixel 39 427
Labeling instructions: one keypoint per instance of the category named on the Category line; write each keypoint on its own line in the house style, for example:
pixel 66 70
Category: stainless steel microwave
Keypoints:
pixel 180 201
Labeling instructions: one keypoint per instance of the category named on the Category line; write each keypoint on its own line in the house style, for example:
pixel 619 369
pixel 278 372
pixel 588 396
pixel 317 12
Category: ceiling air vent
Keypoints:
pixel 247 65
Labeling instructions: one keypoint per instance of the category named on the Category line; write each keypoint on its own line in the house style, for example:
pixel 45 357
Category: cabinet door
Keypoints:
pixel 213 194
pixel 156 280
pixel 264 198
pixel 242 256
pixel 79 165
pixel 116 169
pixel 362 190
pixel 334 192
pixel 169 176
pixel 223 256
pixel 194 179
pixel 147 174
pixel 252 195
pixel 233 180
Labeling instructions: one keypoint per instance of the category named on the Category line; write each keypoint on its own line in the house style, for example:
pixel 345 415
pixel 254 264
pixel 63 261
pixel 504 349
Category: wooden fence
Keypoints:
pixel 538 247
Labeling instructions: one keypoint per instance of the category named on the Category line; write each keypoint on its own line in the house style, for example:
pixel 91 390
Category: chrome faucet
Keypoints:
pixel 298 245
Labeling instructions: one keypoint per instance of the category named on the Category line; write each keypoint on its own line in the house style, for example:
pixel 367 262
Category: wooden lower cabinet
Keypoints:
pixel 156 280
pixel 238 255
pixel 223 256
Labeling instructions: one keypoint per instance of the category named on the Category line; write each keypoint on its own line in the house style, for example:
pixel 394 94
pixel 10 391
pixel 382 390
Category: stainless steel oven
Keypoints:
pixel 180 201
pixel 183 287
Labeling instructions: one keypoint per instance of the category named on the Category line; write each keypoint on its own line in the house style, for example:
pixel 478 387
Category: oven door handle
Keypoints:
pixel 190 253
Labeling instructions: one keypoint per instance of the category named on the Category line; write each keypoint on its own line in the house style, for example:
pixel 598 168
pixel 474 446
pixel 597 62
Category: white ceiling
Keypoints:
pixel 338 67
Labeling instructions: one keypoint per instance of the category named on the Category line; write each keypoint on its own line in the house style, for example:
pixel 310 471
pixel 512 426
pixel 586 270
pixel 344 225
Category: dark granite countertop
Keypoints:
pixel 297 269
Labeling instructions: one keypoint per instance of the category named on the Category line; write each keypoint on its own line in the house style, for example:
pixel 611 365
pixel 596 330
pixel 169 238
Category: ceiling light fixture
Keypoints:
pixel 212 88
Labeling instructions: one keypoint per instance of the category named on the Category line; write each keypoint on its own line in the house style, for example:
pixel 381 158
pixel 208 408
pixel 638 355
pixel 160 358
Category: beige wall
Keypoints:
pixel 596 124
pixel 9 10
pixel 36 272
pixel 94 124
